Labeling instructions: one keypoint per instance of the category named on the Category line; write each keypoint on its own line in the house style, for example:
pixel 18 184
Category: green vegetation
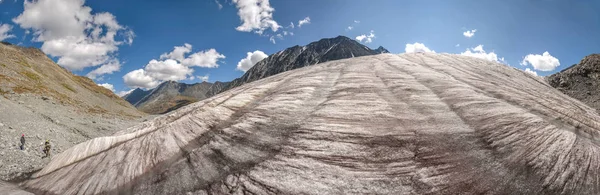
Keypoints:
pixel 3 65
pixel 31 75
pixel 23 62
pixel 69 87
pixel 21 89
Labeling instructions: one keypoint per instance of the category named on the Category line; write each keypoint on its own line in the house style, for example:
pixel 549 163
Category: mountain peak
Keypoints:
pixel 137 90
pixel 338 39
pixel 381 49
pixel 341 37
pixel 327 49
pixel 171 95
pixel 135 96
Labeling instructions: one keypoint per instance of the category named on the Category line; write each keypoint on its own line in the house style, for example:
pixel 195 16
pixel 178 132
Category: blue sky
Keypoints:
pixel 509 32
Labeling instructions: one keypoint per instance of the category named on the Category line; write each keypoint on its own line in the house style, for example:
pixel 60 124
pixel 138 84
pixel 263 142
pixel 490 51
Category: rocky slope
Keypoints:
pixel 172 95
pixel 418 123
pixel 580 81
pixel 30 71
pixel 40 99
pixel 300 56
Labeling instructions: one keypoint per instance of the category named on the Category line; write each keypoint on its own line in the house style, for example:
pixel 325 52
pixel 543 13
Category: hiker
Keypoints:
pixel 47 148
pixel 22 141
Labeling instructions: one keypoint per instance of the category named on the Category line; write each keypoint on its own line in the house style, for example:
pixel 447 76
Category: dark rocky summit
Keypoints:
pixel 381 50
pixel 136 95
pixel 324 50
pixel 580 81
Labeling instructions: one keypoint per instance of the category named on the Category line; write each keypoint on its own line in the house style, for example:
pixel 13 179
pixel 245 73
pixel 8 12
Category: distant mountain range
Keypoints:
pixel 172 95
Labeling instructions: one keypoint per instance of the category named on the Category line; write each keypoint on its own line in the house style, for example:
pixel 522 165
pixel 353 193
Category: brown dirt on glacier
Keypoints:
pixel 385 124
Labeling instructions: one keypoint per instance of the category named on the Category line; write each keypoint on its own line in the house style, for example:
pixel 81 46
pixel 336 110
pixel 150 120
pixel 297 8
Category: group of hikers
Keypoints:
pixel 46 149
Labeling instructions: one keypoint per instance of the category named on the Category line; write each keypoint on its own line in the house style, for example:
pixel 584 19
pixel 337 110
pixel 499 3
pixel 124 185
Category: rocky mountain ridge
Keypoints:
pixel 580 81
pixel 171 95
pixel 324 50
pixel 136 95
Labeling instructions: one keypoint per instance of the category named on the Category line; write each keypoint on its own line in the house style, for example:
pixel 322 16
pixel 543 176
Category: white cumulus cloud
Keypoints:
pixel 167 70
pixel 139 78
pixel 107 68
pixel 173 66
pixel 256 15
pixel 251 59
pixel 304 21
pixel 544 62
pixel 367 38
pixel 527 70
pixel 203 78
pixel 70 31
pixel 108 86
pixel 178 52
pixel 478 52
pixel 469 33
pixel 416 48
pixel 205 59
pixel 4 31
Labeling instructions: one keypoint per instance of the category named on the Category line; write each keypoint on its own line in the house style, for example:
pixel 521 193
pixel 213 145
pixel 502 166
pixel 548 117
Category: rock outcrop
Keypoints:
pixel 416 123
pixel 580 81
pixel 324 50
